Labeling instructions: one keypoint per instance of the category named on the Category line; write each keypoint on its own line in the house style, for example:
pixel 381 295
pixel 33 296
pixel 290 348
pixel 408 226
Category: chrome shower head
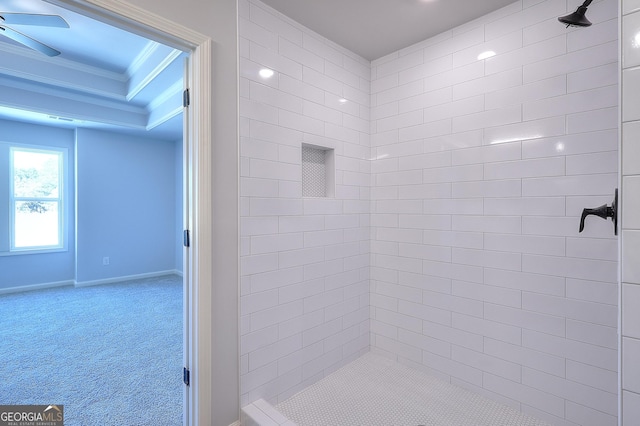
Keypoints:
pixel 577 18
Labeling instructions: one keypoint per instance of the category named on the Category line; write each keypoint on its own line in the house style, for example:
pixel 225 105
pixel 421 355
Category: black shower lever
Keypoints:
pixel 604 211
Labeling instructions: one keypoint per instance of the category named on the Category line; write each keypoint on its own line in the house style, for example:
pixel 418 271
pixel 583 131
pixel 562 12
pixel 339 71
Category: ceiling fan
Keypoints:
pixel 7 19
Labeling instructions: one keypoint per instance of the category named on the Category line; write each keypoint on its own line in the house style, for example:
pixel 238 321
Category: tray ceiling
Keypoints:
pixel 104 77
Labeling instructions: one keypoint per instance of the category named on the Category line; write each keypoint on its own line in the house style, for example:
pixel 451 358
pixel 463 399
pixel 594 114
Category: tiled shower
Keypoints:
pixel 447 237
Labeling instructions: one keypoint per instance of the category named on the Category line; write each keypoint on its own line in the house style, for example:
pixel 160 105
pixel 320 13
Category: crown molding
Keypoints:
pixel 64 74
pixel 58 87
pixel 141 58
pixel 27 96
pixel 170 93
pixel 68 96
pixel 166 106
pixel 61 62
pixel 153 61
pixel 168 115
pixel 30 96
pixel 92 87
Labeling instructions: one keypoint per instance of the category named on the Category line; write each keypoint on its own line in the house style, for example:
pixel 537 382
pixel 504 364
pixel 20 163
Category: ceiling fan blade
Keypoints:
pixel 33 19
pixel 28 41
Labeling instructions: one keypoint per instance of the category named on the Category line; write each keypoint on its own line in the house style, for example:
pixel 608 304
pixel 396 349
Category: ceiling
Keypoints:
pixel 109 78
pixel 375 28
pixel 104 77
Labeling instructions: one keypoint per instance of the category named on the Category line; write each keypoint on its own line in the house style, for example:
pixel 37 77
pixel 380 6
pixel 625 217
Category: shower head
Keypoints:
pixel 577 18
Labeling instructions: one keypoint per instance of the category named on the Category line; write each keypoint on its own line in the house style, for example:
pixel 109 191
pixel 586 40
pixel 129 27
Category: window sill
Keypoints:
pixel 35 251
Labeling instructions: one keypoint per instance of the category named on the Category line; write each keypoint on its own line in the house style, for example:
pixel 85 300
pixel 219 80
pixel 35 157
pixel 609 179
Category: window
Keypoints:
pixel 36 199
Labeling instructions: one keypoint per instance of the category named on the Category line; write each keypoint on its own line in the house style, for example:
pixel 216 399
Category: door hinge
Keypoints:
pixel 186 376
pixel 187 238
pixel 186 98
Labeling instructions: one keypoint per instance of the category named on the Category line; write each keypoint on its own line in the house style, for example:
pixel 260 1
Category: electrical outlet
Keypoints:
pixel 105 261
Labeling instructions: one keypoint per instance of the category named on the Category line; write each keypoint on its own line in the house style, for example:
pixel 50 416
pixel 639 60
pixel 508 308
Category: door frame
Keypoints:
pixel 197 138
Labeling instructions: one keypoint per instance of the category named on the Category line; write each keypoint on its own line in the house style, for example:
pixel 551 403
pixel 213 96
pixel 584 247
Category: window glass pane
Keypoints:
pixel 36 224
pixel 36 174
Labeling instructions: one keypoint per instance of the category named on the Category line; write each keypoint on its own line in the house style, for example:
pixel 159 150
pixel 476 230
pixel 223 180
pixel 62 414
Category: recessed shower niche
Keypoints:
pixel 318 171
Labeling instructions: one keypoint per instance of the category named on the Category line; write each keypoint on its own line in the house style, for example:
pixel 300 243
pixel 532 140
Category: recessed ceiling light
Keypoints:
pixel 486 54
pixel 342 100
pixel 266 73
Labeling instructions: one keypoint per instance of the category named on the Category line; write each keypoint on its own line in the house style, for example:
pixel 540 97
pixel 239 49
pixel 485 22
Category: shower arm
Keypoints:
pixel 583 8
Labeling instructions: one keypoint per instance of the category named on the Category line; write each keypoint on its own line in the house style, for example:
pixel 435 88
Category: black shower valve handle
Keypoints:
pixel 605 212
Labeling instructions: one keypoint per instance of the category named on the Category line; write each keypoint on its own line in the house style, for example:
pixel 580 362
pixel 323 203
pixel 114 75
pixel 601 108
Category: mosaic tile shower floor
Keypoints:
pixel 374 390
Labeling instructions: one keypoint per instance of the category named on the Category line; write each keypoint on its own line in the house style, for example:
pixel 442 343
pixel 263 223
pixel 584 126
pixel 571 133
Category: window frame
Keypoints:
pixel 62 154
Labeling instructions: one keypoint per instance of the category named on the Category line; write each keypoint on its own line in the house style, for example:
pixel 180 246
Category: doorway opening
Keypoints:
pixel 195 138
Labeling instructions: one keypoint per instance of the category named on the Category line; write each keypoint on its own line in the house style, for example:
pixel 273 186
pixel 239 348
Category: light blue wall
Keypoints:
pixel 30 269
pixel 126 205
pixel 130 200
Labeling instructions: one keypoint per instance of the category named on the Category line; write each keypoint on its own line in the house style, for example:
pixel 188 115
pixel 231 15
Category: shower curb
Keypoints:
pixel 261 413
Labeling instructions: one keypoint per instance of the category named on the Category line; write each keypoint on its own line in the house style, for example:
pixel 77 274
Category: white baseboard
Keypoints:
pixel 72 283
pixel 33 287
pixel 127 278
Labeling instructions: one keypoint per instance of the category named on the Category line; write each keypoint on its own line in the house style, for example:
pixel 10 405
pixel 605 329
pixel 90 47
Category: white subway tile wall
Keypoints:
pixel 452 241
pixel 480 171
pixel 630 202
pixel 305 265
